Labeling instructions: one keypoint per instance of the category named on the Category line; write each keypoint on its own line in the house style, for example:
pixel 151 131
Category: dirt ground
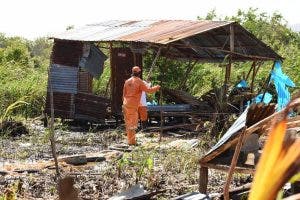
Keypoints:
pixel 167 166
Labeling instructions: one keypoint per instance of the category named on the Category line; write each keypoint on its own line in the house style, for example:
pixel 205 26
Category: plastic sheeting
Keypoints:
pixel 281 82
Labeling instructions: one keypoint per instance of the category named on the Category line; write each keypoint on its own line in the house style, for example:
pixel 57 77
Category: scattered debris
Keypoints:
pixel 192 196
pixel 131 193
pixel 74 159
pixel 121 147
pixel 181 144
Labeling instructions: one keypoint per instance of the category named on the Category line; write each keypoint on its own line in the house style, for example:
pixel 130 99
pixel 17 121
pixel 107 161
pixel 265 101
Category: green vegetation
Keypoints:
pixel 23 73
pixel 24 63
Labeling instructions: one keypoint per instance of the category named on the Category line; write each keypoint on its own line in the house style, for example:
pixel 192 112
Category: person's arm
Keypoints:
pixel 147 89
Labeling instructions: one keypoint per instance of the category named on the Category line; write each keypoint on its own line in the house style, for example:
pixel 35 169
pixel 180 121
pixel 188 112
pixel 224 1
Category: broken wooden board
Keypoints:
pixel 63 161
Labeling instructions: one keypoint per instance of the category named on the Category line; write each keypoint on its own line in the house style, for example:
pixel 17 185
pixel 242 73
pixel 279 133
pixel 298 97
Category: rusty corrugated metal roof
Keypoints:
pixel 200 40
pixel 160 32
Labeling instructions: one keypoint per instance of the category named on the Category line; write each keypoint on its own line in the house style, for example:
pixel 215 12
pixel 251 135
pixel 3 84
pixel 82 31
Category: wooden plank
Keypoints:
pixel 231 38
pixel 225 168
pixel 253 77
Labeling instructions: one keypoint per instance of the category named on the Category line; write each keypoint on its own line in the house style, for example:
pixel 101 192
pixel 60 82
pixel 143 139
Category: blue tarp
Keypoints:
pixel 267 98
pixel 242 84
pixel 281 82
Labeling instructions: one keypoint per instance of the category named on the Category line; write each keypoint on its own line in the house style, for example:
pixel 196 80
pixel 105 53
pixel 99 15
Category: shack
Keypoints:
pixel 76 58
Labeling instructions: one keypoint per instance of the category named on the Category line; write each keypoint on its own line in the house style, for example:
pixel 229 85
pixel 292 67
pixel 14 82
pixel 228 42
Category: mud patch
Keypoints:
pixel 13 128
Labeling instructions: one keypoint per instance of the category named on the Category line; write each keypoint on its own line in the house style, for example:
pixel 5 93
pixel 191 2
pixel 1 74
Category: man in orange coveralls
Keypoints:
pixel 132 92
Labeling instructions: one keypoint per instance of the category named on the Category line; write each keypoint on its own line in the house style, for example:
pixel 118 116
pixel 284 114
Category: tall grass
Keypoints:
pixel 18 81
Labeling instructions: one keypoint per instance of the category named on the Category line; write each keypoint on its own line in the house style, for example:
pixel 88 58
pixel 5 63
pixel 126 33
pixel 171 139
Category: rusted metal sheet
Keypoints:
pixel 90 107
pixel 66 52
pixel 63 78
pixel 199 40
pixel 78 106
pixel 154 31
pixel 63 104
pixel 122 62
pixel 85 84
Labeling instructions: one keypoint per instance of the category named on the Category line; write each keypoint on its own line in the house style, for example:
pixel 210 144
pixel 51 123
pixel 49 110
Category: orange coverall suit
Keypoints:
pixel 132 92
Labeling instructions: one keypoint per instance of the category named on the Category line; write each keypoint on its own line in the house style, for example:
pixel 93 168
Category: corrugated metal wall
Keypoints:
pixel 62 103
pixel 90 107
pixel 64 79
pixel 72 86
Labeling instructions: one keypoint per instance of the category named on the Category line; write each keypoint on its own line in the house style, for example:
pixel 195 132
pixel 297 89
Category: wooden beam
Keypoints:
pixel 228 67
pixel 225 168
pixel 231 29
pixel 253 76
pixel 229 52
pixel 233 164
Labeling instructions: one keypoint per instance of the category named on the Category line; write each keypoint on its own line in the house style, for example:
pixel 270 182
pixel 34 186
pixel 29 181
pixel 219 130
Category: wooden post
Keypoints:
pixel 161 114
pixel 134 59
pixel 112 81
pixel 228 67
pixel 233 164
pixel 203 179
pixel 253 76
